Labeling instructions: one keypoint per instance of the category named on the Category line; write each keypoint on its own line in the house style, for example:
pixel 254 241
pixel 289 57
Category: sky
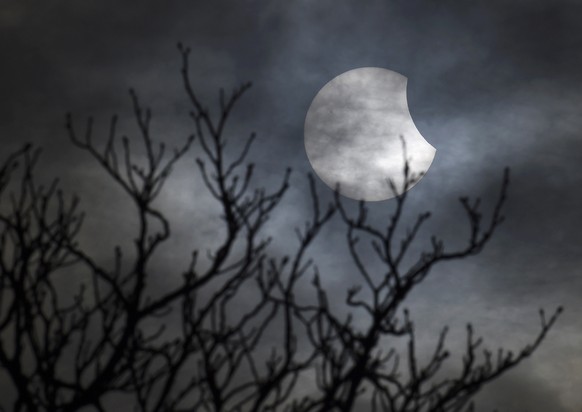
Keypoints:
pixel 490 84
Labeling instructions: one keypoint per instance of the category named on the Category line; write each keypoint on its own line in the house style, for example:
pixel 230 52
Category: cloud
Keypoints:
pixel 491 83
pixel 520 392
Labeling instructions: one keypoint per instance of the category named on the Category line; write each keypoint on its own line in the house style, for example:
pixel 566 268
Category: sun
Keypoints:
pixel 353 134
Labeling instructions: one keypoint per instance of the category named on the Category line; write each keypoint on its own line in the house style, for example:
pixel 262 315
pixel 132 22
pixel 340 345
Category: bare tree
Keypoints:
pixel 109 343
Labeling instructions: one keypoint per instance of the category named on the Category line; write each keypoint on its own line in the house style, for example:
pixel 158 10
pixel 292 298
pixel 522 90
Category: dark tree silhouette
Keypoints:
pixel 109 344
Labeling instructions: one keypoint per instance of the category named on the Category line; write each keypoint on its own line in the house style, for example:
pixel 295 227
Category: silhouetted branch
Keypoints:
pixel 236 333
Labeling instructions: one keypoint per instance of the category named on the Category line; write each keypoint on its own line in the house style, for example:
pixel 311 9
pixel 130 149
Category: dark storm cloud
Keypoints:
pixel 491 83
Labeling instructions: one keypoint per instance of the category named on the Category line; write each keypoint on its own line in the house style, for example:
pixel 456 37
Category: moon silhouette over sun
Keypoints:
pixel 353 131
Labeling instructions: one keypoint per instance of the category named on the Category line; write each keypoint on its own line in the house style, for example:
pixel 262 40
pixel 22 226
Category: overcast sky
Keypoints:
pixel 490 84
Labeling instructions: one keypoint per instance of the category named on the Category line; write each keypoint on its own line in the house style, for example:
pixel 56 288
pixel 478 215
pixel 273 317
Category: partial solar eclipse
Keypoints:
pixel 353 132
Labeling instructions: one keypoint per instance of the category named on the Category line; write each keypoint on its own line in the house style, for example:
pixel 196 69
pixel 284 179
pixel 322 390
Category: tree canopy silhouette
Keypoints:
pixel 110 344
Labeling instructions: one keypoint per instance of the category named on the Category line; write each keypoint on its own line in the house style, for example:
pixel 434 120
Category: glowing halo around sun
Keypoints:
pixel 354 130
